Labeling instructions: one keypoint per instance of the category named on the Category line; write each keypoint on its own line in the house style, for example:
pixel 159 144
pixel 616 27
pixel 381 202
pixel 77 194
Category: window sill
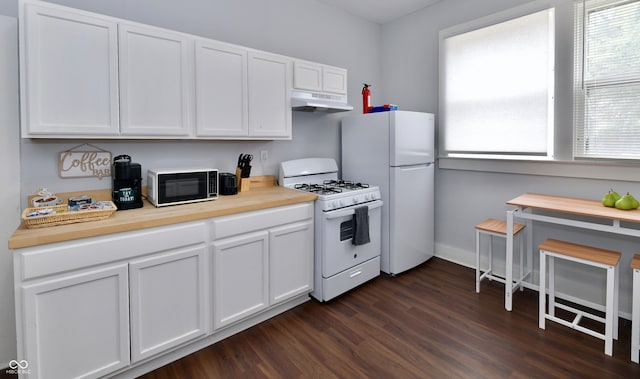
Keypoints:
pixel 624 171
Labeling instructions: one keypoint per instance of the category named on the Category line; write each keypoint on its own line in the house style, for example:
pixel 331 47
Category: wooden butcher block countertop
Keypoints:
pixel 149 216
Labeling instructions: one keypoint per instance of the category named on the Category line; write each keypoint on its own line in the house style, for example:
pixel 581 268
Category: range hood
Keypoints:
pixel 319 102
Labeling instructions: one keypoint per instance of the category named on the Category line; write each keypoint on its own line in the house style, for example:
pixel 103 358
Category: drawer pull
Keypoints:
pixel 355 273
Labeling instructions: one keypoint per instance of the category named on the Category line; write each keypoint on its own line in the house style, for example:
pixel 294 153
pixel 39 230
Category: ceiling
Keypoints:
pixel 380 11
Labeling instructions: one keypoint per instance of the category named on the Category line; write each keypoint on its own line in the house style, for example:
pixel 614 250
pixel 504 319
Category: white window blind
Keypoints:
pixel 497 86
pixel 607 79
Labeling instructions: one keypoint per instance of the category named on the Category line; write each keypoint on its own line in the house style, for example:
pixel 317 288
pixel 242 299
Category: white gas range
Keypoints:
pixel 347 225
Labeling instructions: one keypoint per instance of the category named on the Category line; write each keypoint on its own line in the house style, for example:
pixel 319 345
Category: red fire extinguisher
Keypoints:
pixel 366 98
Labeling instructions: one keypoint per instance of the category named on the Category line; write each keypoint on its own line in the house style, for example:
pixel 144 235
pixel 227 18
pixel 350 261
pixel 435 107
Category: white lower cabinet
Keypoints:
pixel 291 263
pixel 168 294
pixel 119 303
pixel 93 306
pixel 240 277
pixel 77 326
pixel 260 259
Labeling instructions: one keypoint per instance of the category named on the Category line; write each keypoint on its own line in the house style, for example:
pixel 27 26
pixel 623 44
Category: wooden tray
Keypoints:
pixel 62 215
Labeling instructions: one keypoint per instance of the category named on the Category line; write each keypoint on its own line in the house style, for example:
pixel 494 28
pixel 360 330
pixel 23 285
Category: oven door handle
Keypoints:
pixel 348 212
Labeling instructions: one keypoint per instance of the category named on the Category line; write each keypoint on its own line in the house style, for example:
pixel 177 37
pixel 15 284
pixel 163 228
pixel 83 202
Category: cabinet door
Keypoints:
pixel 307 76
pixel 269 96
pixel 78 325
pixel 221 90
pixel 168 300
pixel 334 80
pixel 291 261
pixel 69 73
pixel 154 81
pixel 240 277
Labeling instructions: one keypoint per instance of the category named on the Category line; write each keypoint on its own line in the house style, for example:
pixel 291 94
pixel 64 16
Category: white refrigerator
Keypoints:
pixel 395 151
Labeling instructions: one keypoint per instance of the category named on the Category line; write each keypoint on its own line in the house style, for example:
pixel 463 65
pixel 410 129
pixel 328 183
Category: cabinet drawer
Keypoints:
pixel 351 278
pixel 227 226
pixel 64 256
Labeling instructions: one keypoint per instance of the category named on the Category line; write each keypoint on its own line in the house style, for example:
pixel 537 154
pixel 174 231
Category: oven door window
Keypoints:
pixel 182 187
pixel 346 230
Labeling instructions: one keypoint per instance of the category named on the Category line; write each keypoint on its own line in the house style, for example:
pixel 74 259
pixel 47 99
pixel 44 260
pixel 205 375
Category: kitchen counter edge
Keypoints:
pixel 149 216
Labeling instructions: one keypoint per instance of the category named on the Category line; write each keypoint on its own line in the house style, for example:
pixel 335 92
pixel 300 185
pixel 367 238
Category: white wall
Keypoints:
pixel 9 169
pixel 465 198
pixel 303 29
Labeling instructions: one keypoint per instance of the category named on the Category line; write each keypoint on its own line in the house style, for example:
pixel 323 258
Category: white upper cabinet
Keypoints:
pixel 154 81
pixel 69 73
pixel 319 78
pixel 221 90
pixel 269 96
pixel 86 75
pixel 334 80
pixel 307 76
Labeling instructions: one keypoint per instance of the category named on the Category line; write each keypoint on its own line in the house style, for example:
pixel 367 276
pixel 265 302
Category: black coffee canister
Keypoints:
pixel 126 183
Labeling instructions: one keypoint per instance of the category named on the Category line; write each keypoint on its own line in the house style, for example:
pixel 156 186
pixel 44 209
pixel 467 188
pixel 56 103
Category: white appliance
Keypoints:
pixel 395 150
pixel 340 263
pixel 308 101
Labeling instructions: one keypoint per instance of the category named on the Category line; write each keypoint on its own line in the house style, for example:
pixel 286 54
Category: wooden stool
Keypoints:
pixel 635 313
pixel 592 256
pixel 495 228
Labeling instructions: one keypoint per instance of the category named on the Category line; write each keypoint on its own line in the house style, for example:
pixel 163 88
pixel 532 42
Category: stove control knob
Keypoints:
pixel 343 203
pixel 334 204
pixel 356 200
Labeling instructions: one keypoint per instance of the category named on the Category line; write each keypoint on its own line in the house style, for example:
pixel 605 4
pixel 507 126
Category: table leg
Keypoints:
pixel 635 318
pixel 529 235
pixel 508 280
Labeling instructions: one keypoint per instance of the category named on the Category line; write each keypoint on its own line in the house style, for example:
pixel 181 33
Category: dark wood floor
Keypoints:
pixel 425 323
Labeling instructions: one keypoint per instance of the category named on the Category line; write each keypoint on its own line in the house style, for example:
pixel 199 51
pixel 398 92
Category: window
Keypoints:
pixel 497 86
pixel 607 79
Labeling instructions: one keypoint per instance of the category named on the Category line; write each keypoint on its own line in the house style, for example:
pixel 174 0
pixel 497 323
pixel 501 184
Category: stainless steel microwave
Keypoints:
pixel 182 186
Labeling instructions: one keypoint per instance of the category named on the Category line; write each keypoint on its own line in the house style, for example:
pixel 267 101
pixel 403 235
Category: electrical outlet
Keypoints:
pixel 264 155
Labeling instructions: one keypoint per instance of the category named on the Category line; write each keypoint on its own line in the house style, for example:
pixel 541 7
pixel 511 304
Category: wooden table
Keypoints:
pixel 559 210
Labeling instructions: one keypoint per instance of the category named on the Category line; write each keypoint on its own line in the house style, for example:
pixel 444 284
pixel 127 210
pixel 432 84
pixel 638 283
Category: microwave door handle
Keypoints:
pixel 350 211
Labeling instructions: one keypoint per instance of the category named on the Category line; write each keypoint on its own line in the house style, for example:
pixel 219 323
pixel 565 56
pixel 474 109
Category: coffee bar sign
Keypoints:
pixel 80 163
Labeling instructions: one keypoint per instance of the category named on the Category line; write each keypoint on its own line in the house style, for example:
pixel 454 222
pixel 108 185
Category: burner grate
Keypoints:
pixel 347 184
pixel 329 187
pixel 321 189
